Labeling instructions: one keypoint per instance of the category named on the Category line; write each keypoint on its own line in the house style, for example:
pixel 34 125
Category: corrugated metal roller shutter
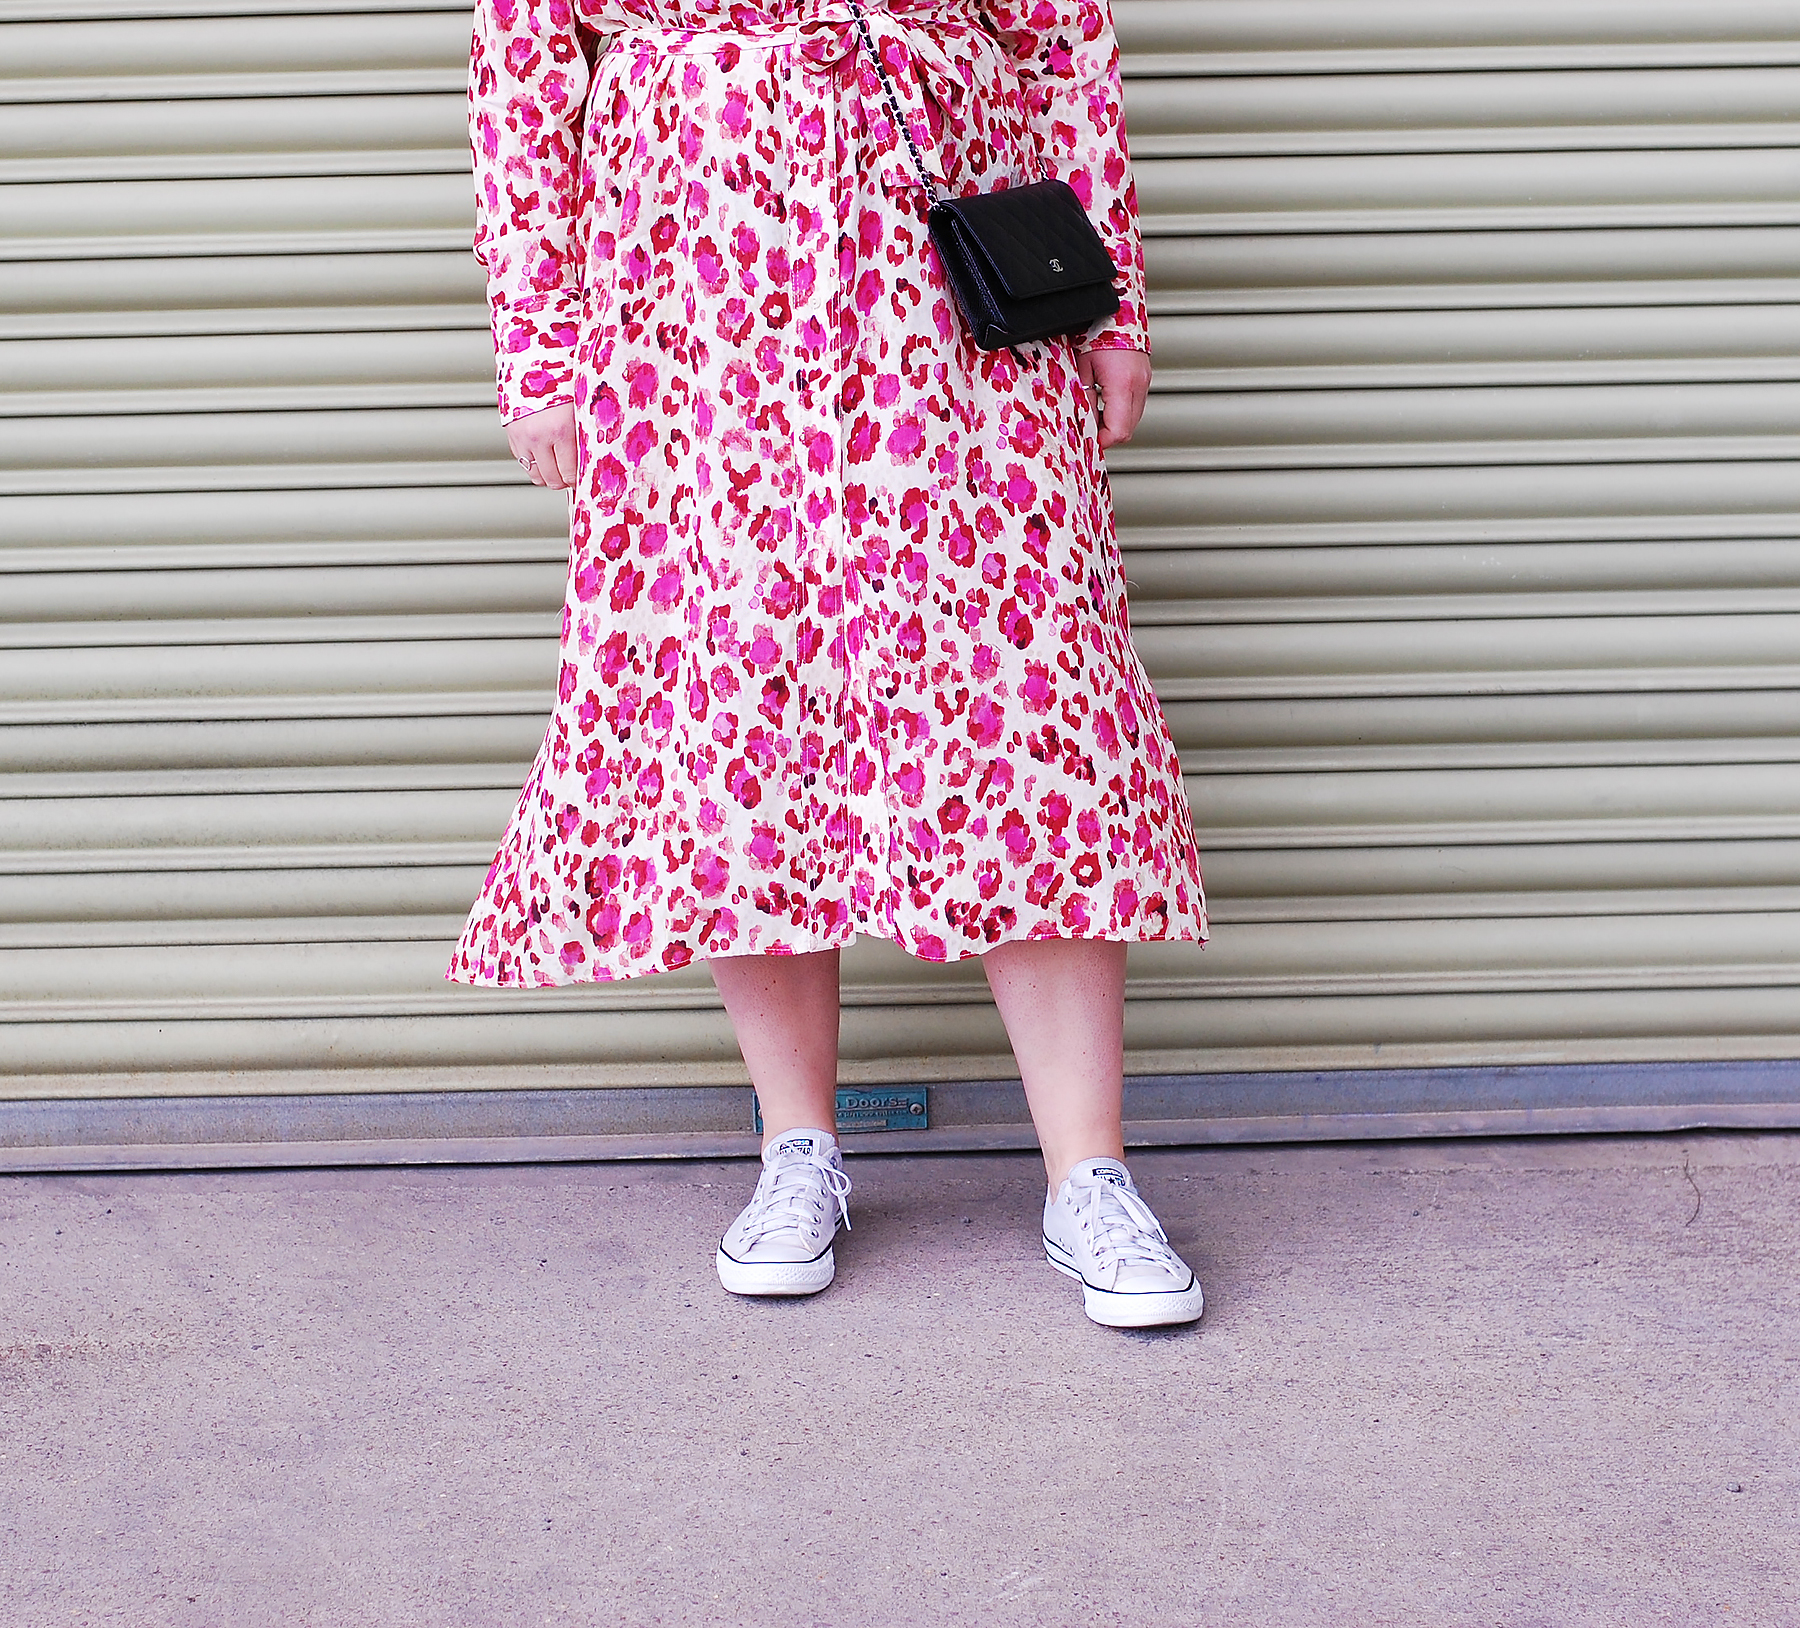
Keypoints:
pixel 1462 532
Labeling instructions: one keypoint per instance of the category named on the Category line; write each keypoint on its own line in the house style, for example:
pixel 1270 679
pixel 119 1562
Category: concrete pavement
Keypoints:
pixel 1507 1383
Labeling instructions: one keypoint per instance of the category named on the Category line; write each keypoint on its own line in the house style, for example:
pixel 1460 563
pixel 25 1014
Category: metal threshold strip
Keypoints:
pixel 529 1126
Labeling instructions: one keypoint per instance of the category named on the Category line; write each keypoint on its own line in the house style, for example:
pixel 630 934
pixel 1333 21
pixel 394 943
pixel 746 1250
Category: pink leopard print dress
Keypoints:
pixel 845 646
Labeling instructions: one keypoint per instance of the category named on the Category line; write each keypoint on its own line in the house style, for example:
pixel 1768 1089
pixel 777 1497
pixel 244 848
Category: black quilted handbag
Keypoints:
pixel 1024 263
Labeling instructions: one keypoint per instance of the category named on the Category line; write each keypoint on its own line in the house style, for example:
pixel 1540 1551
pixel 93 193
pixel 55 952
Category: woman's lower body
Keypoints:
pixel 845 646
pixel 1063 1003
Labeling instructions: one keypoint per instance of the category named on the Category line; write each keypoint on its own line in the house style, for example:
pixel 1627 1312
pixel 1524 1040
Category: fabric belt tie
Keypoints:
pixel 829 42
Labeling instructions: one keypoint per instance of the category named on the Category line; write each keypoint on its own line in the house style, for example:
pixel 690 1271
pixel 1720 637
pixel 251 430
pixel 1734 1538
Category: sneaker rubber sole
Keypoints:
pixel 1153 1309
pixel 776 1277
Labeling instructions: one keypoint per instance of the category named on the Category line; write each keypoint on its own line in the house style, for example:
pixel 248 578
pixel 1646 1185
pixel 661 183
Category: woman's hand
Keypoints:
pixel 1122 378
pixel 545 444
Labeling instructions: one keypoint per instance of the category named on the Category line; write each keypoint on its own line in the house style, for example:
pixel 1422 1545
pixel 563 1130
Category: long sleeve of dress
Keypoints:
pixel 1068 59
pixel 528 80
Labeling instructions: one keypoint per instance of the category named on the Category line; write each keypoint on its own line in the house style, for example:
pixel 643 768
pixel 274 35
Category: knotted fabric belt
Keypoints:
pixel 828 42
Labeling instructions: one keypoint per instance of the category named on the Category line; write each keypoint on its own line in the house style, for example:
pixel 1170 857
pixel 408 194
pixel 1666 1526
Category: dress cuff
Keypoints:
pixel 1111 335
pixel 534 390
pixel 535 339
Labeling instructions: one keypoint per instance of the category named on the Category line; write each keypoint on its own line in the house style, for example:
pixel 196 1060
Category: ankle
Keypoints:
pixel 771 1137
pixel 1057 1169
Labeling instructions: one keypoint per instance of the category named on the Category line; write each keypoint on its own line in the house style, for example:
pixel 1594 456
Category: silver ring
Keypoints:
pixel 528 463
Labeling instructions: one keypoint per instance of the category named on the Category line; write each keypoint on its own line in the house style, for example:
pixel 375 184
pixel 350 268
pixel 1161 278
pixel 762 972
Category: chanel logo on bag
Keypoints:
pixel 1056 265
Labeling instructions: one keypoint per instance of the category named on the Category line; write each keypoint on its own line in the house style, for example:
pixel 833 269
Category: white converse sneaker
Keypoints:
pixel 1097 1229
pixel 781 1244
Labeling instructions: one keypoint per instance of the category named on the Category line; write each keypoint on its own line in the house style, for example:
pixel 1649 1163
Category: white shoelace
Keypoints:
pixel 1122 1227
pixel 785 1193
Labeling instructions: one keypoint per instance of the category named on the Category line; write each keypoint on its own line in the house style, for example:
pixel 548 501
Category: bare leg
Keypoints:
pixel 1063 1002
pixel 785 1011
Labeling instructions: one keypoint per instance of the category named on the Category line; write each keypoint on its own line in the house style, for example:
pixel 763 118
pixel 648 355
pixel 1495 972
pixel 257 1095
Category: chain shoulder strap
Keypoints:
pixel 893 101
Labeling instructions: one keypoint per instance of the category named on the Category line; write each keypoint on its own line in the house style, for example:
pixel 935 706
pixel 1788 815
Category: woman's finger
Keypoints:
pixel 562 450
pixel 1117 407
pixel 543 443
pixel 1113 409
pixel 1124 380
pixel 1093 393
pixel 1126 412
pixel 551 466
pixel 519 443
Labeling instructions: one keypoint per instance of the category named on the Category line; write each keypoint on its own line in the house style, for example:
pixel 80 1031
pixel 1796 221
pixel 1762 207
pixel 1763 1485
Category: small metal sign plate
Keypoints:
pixel 891 1108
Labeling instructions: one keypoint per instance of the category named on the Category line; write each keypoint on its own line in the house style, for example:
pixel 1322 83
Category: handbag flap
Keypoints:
pixel 1037 239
